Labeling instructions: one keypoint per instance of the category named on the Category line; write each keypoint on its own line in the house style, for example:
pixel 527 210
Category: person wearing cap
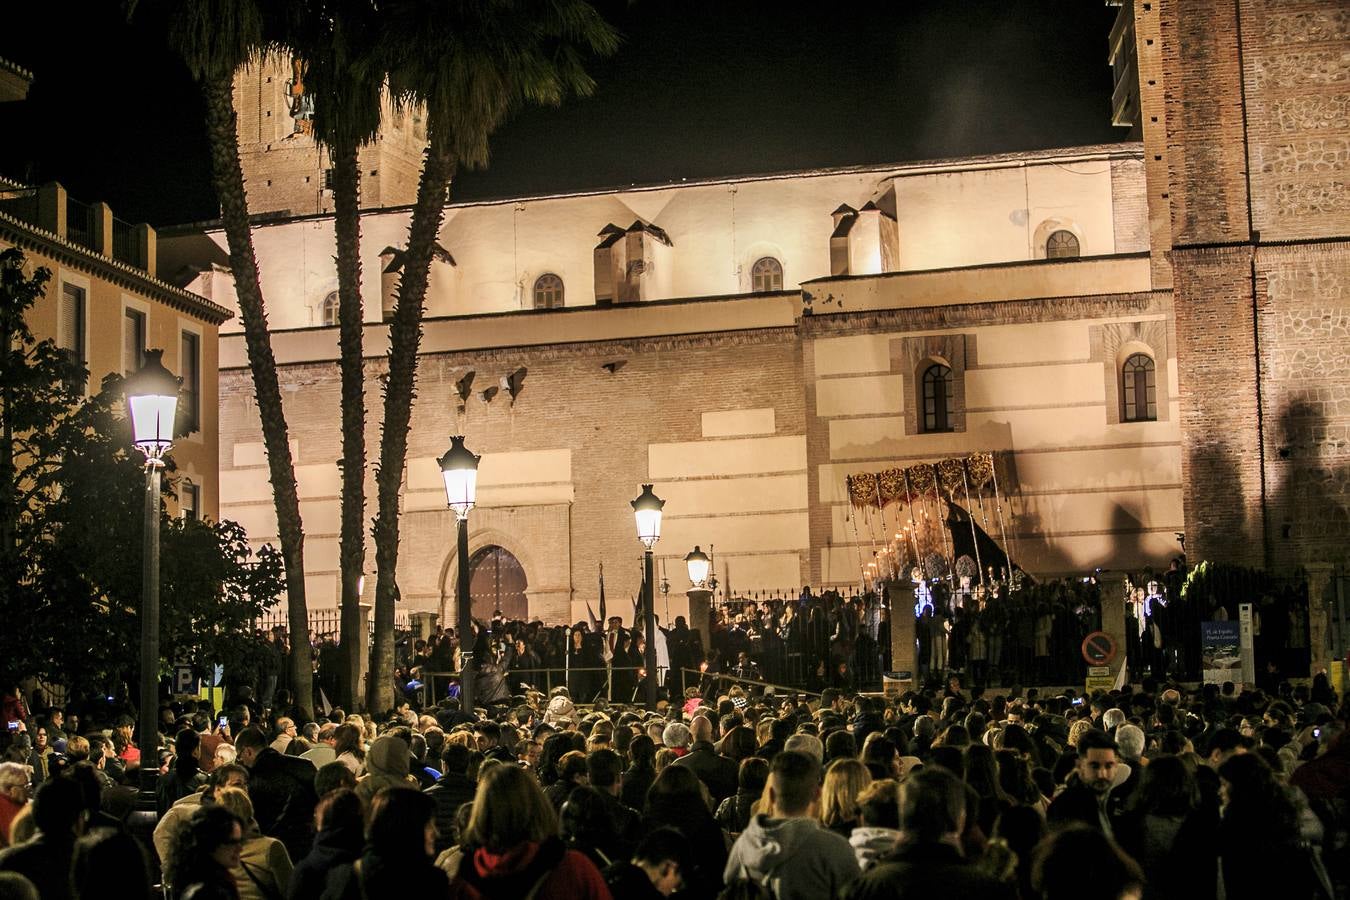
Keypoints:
pixel 561 713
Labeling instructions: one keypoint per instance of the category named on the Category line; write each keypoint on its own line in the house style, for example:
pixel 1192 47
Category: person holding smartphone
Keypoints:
pixel 213 733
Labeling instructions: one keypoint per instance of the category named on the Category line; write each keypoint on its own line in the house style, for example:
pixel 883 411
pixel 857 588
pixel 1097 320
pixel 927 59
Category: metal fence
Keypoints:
pixel 322 622
pixel 80 225
pixel 617 684
pixel 126 245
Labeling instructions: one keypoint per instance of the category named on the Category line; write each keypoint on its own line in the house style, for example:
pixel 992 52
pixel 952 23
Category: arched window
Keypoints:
pixel 937 398
pixel 329 312
pixel 1139 389
pixel 766 275
pixel 1061 245
pixel 548 292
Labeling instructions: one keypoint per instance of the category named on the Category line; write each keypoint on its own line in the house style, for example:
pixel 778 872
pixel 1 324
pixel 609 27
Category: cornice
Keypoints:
pixel 985 312
pixel 27 236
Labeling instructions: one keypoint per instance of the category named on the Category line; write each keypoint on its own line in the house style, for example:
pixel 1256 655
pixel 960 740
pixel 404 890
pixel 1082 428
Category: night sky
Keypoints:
pixel 698 89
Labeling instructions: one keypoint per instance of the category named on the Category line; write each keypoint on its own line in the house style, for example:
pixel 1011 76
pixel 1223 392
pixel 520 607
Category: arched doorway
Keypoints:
pixel 497 581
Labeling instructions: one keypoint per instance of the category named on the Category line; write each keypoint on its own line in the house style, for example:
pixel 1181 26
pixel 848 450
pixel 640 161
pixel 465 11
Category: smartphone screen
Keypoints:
pixel 224 720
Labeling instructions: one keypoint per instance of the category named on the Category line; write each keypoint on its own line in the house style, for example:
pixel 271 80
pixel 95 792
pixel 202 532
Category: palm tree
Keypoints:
pixel 338 41
pixel 215 38
pixel 471 63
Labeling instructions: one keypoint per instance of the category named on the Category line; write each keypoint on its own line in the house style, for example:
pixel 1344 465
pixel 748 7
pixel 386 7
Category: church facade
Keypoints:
pixel 1144 334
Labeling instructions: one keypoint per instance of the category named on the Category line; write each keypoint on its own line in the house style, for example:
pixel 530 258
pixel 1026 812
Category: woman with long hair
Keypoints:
pixel 207 849
pixel 511 847
pixel 1170 833
pixel 264 867
pixel 679 800
pixel 981 773
pixel 349 746
pixel 737 744
pixel 339 820
pixel 844 781
pixel 641 771
pixel 400 843
pixel 185 776
pixel 881 757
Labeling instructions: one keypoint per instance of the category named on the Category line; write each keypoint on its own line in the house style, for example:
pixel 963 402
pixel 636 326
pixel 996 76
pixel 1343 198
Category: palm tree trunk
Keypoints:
pixel 228 179
pixel 347 223
pixel 405 335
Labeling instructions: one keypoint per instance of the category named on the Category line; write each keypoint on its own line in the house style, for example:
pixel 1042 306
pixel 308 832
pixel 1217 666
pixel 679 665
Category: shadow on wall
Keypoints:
pixel 1127 542
pixel 1218 526
pixel 1309 518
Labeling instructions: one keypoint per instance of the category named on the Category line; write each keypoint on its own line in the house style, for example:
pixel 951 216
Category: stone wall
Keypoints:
pixel 1296 72
pixel 1305 380
pixel 1258 108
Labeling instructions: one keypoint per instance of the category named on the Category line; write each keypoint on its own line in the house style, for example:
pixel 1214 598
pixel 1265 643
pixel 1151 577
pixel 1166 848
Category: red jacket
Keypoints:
pixel 562 874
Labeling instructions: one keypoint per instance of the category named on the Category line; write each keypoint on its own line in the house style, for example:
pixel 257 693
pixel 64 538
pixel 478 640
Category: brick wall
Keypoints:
pixel 1129 206
pixel 1153 123
pixel 1203 98
pixel 1258 85
pixel 607 422
pixel 1221 442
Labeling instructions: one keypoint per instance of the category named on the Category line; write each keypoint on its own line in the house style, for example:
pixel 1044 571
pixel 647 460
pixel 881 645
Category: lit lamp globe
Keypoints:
pixel 152 402
pixel 699 564
pixel 647 510
pixel 459 469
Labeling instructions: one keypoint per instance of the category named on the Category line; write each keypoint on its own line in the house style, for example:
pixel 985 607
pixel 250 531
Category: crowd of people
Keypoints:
pixel 1152 791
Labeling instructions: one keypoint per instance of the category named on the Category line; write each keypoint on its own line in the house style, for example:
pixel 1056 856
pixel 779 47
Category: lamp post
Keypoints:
pixel 152 401
pixel 647 510
pixel 699 564
pixel 459 469
pixel 700 593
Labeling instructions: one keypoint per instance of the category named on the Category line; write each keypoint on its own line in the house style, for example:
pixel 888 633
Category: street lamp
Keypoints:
pixel 459 469
pixel 152 401
pixel 647 511
pixel 699 564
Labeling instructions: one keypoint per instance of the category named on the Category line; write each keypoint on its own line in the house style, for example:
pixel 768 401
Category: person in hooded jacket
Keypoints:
pixel 396 862
pixel 387 766
pixel 787 850
pixel 878 828
pixel 340 822
pixel 511 848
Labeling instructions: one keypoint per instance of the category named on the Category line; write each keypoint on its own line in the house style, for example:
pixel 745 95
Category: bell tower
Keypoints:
pixel 287 173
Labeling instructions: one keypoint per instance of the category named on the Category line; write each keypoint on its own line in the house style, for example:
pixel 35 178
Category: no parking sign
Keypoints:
pixel 1099 648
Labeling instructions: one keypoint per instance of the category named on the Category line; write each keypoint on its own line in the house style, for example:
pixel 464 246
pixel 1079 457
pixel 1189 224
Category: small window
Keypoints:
pixel 766 275
pixel 1061 245
pixel 71 337
pixel 937 398
pixel 1139 389
pixel 329 312
pixel 133 341
pixel 189 396
pixel 189 500
pixel 548 292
